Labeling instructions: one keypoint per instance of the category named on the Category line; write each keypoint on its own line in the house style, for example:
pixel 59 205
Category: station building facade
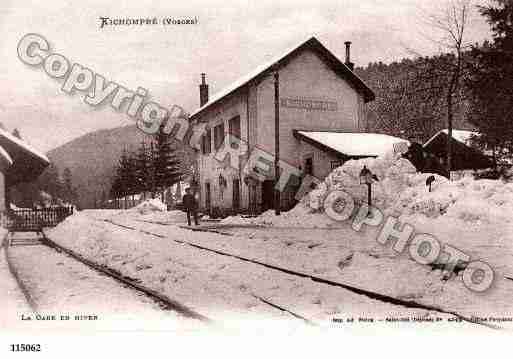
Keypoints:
pixel 317 92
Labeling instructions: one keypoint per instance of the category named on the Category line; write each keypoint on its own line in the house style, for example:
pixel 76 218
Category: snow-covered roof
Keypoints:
pixel 462 136
pixel 5 156
pixel 23 144
pixel 314 44
pixel 464 155
pixel 27 163
pixel 355 144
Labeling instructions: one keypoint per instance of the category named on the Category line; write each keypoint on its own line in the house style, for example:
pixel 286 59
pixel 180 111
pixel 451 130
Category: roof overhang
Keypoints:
pixel 319 145
pixel 5 160
pixel 27 163
pixel 350 145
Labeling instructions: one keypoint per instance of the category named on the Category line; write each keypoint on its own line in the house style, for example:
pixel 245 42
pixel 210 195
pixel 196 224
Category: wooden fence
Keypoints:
pixel 26 219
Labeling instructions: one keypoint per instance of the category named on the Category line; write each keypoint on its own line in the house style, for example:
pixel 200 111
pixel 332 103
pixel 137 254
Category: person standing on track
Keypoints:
pixel 189 202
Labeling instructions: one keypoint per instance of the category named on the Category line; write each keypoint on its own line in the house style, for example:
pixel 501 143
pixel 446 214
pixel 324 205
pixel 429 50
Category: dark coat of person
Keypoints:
pixel 189 201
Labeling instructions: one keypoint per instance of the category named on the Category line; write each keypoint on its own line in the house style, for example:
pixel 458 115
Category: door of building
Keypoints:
pixel 253 205
pixel 267 195
pixel 236 194
pixel 207 197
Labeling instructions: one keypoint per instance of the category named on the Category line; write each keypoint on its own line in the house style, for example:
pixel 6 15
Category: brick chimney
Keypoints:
pixel 348 62
pixel 203 91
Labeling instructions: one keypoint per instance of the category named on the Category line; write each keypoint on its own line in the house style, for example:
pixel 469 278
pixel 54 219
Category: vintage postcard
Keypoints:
pixel 269 169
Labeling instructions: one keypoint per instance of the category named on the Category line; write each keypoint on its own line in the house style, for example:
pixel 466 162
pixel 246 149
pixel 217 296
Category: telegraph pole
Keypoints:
pixel 277 196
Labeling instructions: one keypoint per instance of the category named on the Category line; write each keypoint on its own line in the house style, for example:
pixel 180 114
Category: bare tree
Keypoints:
pixel 451 24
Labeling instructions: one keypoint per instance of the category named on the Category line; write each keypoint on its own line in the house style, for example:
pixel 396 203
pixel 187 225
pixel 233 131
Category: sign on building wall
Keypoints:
pixel 309 104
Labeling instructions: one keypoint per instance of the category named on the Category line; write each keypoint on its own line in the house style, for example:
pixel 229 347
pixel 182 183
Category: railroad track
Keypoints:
pixel 369 294
pixel 164 302
pixel 4 245
pixel 162 299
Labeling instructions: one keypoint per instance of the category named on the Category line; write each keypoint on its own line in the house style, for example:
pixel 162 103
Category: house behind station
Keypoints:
pixel 466 160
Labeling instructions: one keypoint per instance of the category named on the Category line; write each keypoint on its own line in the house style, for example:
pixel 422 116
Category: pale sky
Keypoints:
pixel 230 39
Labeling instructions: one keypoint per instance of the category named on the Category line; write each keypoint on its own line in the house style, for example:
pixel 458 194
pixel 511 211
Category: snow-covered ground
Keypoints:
pixel 13 302
pixel 60 285
pixel 223 288
pixel 353 258
pixel 473 216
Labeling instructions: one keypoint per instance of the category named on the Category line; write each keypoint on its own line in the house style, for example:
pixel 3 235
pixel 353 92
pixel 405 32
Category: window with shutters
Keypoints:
pixel 234 130
pixel 234 126
pixel 203 144
pixel 208 141
pixel 218 136
pixel 309 166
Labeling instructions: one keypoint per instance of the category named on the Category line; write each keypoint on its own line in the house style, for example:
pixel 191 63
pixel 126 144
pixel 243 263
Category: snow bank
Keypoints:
pixel 468 200
pixel 300 216
pixel 394 174
pixel 149 206
pixel 473 215
pixel 400 190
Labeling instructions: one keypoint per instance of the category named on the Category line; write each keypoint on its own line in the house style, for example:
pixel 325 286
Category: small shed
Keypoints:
pixel 464 157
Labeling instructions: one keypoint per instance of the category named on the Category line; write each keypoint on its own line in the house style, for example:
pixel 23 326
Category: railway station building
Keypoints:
pixel 322 120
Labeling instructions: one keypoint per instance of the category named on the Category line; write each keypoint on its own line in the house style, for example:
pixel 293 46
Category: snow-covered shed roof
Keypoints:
pixel 354 144
pixel 8 136
pixel 313 44
pixel 27 162
pixel 462 136
pixel 5 159
pixel 464 157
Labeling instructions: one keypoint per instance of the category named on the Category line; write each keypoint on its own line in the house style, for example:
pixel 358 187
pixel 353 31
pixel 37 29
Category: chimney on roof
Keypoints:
pixel 203 91
pixel 348 62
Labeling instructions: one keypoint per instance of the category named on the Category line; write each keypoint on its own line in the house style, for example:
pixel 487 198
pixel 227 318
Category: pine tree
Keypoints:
pixel 166 165
pixel 492 93
pixel 142 166
pixel 69 192
pixel 131 178
pixel 122 178
pixel 50 181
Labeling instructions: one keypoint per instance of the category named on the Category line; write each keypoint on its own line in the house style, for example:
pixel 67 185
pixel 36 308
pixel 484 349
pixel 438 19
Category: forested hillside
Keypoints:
pixel 410 98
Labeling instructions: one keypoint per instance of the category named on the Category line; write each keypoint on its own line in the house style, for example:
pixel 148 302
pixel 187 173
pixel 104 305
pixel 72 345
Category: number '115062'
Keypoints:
pixel 25 347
